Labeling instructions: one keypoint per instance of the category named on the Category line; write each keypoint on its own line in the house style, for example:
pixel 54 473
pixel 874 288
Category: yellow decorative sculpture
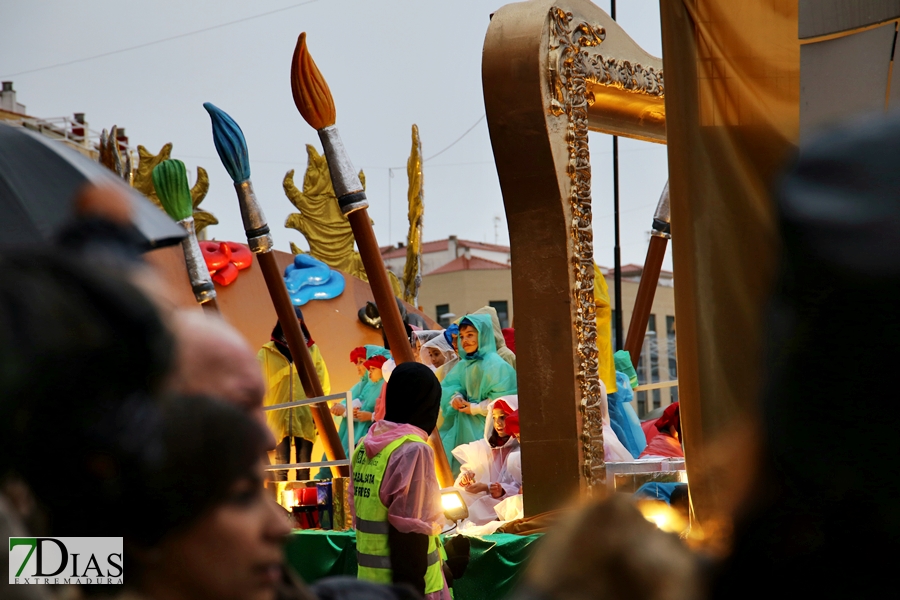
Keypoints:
pixel 606 367
pixel 321 222
pixel 412 278
pixel 143 182
pixel 320 219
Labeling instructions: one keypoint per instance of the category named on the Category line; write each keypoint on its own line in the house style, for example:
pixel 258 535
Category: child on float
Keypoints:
pixel 667 443
pixel 499 339
pixel 511 507
pixel 483 480
pixel 364 395
pixel 439 355
pixel 419 338
pixel 479 377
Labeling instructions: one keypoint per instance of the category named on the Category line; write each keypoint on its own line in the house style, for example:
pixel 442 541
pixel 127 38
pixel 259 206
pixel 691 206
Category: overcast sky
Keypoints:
pixel 389 63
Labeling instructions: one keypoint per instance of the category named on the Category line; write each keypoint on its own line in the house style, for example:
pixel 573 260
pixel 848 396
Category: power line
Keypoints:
pixel 174 37
pixel 467 131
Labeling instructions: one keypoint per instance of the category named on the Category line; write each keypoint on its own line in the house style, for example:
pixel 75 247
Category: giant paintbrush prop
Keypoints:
pixel 643 302
pixel 232 149
pixel 316 105
pixel 174 192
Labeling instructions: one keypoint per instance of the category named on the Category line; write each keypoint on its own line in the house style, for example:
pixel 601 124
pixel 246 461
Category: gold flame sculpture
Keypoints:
pixel 412 277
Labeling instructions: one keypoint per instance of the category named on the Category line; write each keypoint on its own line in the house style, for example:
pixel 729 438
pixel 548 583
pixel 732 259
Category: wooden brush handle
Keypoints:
pixel 306 368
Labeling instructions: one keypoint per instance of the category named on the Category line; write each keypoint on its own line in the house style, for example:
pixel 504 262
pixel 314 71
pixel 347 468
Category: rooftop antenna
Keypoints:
pixel 497 229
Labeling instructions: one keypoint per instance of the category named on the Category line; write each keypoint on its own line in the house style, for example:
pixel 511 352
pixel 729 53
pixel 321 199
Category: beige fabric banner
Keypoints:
pixel 732 111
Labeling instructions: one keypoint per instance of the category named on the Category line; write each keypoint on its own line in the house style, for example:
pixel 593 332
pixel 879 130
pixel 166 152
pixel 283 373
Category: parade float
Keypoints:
pixel 553 70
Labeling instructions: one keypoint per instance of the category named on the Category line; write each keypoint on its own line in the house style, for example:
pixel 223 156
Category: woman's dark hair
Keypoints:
pixel 71 337
pixel 207 446
pixel 82 354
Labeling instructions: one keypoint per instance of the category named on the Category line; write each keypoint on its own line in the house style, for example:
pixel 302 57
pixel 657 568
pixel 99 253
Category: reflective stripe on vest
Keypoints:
pixel 384 562
pixel 373 551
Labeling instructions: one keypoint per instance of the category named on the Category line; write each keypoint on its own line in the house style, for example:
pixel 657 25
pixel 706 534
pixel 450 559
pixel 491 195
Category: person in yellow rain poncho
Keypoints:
pixel 606 366
pixel 283 385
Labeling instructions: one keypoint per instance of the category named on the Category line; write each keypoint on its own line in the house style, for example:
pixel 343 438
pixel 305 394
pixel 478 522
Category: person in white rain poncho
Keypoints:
pixel 438 354
pixel 484 480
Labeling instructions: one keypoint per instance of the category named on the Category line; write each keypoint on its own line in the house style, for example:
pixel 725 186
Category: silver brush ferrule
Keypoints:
pixel 258 237
pixel 661 227
pixel 198 273
pixel 347 186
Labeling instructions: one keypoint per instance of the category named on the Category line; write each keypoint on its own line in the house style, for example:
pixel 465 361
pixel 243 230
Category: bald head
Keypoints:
pixel 213 359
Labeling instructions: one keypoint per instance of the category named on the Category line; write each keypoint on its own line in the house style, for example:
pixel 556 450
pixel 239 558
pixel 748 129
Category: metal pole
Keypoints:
pixel 617 250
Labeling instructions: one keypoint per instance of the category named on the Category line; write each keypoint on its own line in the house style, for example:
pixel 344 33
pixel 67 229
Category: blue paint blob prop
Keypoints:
pixel 311 279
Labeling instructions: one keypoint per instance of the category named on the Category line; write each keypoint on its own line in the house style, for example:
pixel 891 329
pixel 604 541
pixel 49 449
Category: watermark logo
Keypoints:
pixel 65 560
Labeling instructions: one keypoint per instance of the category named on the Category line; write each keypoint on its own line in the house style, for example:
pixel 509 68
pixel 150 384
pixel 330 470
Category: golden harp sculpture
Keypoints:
pixel 143 182
pixel 551 71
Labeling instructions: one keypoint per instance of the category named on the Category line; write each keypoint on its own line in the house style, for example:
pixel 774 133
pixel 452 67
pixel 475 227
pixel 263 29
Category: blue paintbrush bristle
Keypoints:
pixel 230 143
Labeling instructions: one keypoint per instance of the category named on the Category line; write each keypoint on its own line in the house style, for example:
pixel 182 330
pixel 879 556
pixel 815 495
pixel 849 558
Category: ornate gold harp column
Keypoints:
pixel 551 71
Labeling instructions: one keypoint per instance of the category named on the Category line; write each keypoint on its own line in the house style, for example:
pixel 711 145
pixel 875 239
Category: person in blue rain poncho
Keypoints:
pixel 480 377
pixel 623 419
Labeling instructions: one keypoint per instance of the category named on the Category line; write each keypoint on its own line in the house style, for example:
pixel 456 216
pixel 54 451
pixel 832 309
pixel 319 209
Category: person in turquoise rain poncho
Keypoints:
pixel 468 389
pixel 364 394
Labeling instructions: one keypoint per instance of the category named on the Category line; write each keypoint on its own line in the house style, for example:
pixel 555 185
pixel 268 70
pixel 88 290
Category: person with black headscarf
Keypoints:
pixel 396 491
pixel 283 385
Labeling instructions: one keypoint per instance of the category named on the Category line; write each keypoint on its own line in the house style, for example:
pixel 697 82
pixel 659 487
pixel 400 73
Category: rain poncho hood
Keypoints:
pixel 499 341
pixel 479 378
pixel 443 346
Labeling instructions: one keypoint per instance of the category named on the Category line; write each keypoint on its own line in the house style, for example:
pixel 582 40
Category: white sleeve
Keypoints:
pixel 481 408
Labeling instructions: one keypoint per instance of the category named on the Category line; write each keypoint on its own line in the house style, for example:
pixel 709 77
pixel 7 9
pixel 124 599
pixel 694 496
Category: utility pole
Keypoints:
pixel 617 250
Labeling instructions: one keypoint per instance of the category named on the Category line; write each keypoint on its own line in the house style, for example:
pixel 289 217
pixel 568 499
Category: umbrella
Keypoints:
pixel 39 179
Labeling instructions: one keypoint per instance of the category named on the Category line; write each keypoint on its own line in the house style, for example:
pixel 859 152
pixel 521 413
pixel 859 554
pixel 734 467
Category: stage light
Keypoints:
pixel 454 506
pixel 663 516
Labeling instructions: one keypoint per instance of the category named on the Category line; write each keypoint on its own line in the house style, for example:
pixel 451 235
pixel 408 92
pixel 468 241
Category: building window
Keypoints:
pixel 440 311
pixel 670 352
pixel 502 308
pixel 641 404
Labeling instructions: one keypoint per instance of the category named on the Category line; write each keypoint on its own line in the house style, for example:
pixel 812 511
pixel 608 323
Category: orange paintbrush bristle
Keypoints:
pixel 311 93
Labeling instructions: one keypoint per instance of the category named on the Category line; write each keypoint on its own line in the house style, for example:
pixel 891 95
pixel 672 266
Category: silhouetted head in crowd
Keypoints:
pixel 213 359
pixel 206 528
pixel 82 355
pixel 828 482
